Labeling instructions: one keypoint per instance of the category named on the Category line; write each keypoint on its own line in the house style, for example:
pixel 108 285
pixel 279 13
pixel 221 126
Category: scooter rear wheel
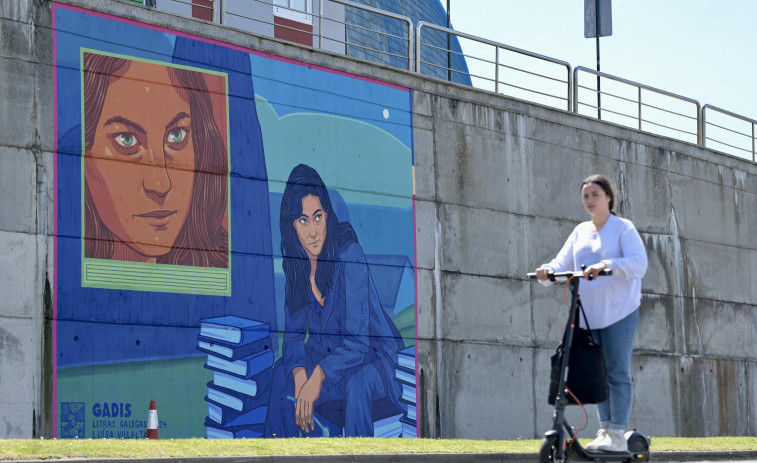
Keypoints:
pixel 547 449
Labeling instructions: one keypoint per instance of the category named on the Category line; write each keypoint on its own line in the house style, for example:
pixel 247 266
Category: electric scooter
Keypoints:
pixel 561 442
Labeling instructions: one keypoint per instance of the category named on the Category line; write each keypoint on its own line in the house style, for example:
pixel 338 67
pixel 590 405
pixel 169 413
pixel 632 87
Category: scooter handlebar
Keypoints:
pixel 562 276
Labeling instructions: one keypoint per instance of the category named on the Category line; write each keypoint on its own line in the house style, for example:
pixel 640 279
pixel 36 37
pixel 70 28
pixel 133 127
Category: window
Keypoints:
pixel 306 6
pixel 293 21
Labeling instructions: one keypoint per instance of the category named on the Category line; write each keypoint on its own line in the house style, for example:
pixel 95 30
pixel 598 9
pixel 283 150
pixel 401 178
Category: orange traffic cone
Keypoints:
pixel 152 422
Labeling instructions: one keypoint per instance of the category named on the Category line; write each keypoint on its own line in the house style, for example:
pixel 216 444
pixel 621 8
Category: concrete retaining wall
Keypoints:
pixel 26 147
pixel 502 198
pixel 496 195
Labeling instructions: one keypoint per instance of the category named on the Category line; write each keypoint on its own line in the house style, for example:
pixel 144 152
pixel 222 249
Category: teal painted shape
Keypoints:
pixel 292 87
pixel 363 162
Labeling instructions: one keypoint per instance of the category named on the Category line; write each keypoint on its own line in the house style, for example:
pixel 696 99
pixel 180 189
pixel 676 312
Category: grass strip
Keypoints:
pixel 43 449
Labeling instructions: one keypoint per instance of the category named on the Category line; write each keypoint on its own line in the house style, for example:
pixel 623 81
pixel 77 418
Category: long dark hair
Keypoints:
pixel 304 181
pixel 603 183
pixel 203 241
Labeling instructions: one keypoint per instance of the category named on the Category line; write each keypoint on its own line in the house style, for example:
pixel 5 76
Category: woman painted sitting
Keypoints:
pixel 347 362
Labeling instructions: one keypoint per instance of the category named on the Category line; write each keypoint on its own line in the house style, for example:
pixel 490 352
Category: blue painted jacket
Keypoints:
pixel 351 329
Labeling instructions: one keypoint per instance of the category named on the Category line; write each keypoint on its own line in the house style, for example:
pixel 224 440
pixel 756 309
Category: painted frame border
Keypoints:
pixel 142 276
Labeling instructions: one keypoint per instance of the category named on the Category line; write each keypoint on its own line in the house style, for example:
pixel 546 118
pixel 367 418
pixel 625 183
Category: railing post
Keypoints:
pixel 639 108
pixel 570 87
pixel 409 45
pixel 320 25
pixel 575 89
pixel 753 154
pixel 496 69
pixel 702 127
pixel 418 47
pixel 218 11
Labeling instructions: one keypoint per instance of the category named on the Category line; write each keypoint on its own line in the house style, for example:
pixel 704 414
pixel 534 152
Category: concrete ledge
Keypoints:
pixel 657 457
pixel 741 455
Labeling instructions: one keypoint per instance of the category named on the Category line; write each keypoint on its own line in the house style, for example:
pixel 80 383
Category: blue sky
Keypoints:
pixel 696 48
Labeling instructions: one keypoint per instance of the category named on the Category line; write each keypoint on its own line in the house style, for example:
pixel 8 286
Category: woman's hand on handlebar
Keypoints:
pixel 592 272
pixel 542 274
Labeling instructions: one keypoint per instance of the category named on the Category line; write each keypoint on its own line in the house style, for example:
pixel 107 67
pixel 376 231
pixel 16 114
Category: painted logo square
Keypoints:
pixel 72 419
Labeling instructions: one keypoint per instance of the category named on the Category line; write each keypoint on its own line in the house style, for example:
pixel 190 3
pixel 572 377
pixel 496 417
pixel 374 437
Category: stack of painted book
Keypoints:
pixel 405 374
pixel 240 357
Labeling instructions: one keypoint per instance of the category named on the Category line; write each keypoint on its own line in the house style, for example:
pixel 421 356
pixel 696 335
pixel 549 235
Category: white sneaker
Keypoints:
pixel 615 441
pixel 601 437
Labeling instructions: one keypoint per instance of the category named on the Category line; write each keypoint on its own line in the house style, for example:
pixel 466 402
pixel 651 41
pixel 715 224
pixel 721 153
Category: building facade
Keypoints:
pixel 361 33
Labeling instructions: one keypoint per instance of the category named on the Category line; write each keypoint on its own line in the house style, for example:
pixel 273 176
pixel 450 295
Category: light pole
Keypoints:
pixel 599 92
pixel 597 23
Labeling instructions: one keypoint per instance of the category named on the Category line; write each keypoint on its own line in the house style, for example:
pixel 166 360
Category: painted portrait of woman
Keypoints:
pixel 155 164
pixel 340 347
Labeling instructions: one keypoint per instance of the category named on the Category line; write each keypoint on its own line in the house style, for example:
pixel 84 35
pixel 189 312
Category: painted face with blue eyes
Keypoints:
pixel 140 169
pixel 311 226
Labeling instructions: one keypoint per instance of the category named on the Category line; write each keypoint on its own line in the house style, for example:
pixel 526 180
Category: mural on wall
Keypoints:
pixel 243 256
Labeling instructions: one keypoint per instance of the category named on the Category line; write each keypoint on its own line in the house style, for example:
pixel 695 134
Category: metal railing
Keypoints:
pixel 497 63
pixel 220 13
pixel 638 102
pixel 734 133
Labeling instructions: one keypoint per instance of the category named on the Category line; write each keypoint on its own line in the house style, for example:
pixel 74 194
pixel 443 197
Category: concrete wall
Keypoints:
pixel 496 195
pixel 26 145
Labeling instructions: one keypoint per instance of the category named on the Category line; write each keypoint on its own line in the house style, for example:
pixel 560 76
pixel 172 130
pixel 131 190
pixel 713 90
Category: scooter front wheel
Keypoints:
pixel 548 449
pixel 638 445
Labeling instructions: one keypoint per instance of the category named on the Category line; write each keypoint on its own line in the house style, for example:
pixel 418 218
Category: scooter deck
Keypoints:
pixel 599 457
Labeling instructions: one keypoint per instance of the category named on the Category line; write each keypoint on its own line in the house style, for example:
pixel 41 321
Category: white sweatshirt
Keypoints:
pixel 606 300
